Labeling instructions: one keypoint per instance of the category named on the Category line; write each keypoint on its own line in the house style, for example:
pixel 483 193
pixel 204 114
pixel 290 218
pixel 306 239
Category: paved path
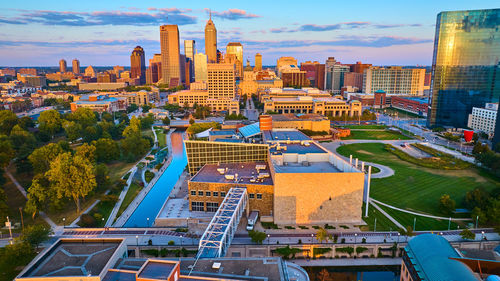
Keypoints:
pixel 347 262
pixel 113 213
pixel 415 213
pixel 386 214
pixel 454 153
pixel 74 223
pixel 23 192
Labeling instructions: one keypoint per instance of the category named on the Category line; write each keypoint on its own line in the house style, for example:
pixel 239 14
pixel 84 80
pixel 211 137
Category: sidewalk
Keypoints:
pixel 113 213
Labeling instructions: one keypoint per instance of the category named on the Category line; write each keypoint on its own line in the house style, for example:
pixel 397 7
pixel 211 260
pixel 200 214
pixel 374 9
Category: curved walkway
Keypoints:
pixel 418 214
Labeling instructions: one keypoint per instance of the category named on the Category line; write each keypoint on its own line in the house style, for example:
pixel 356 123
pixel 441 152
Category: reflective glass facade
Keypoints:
pixel 465 65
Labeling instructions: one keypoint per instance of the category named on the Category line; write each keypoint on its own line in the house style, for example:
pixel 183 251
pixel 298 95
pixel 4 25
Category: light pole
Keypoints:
pixel 64 222
pixel 268 239
pixel 414 223
pixel 375 226
pixel 147 222
pixel 312 237
pixel 477 218
pixel 355 236
pixel 181 240
pixel 449 223
pixel 137 240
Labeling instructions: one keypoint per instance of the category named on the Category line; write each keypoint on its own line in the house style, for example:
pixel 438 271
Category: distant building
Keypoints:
pixel 101 86
pixel 138 64
pixel 190 51
pixel 315 73
pixel 292 76
pixel 200 67
pixel 63 66
pixel 28 71
pixel 311 122
pixel 170 64
pixel 484 119
pixel 139 98
pixel 353 79
pixel 285 61
pixel 334 75
pixel 117 70
pixel 100 103
pixel 32 80
pixel 464 66
pixel 106 77
pixel 416 105
pixel 251 85
pixel 291 93
pixel 359 67
pixel 76 66
pixel 394 80
pixel 211 41
pixel 90 72
pixel 258 62
pixel 153 73
pixel 236 49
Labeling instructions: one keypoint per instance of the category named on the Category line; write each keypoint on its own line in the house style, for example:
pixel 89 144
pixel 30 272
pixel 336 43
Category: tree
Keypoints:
pixel 322 235
pixel 4 208
pixel 476 198
pixel 8 120
pixel 446 204
pixel 20 137
pixel 40 158
pixel 50 122
pixel 166 121
pixel 147 121
pixel 186 105
pixel 6 151
pixel 191 121
pixel 26 122
pixel 73 130
pixel 38 197
pixel 72 177
pixel 131 108
pixel 36 234
pixel 146 108
pixel 106 150
pixel 83 116
pixel 86 151
pixel 102 176
pixel 467 234
pixel 257 236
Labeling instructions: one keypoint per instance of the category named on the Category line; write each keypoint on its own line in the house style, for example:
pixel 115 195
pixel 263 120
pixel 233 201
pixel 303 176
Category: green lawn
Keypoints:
pixel 103 208
pixel 118 169
pixel 383 223
pixel 148 175
pixel 422 223
pixel 376 135
pixel 162 138
pixel 132 192
pixel 365 127
pixel 414 187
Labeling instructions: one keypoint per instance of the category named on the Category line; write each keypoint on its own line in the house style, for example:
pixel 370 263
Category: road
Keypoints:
pixel 417 127
pixel 250 111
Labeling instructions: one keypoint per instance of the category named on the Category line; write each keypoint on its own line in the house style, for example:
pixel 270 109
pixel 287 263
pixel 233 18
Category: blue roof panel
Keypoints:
pixel 250 130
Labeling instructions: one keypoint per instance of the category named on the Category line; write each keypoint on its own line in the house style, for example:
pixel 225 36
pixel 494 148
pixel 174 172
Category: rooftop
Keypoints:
pixel 298 117
pixel 222 132
pixel 243 173
pixel 73 257
pixel 302 147
pixel 310 167
pixel 250 130
pixel 157 270
pixel 284 135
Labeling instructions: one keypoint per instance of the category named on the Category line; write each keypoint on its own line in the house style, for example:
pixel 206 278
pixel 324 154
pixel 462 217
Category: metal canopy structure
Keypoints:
pixel 220 231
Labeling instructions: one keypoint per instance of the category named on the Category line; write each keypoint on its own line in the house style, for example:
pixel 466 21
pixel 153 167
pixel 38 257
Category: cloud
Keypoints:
pixel 279 30
pixel 233 14
pixel 314 27
pixel 341 25
pixel 69 18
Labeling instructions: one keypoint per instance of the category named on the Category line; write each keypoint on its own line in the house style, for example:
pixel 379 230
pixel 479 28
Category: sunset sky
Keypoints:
pixel 103 33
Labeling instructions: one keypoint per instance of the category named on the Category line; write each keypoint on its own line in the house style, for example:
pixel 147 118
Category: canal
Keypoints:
pixel 354 273
pixel 154 200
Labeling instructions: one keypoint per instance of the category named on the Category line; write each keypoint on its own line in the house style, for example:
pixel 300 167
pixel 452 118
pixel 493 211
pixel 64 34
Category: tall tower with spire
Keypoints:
pixel 211 40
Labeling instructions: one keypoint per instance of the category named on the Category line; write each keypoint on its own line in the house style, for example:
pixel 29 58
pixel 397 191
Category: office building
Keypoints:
pixel 170 63
pixel 76 66
pixel 353 79
pixel 483 119
pixel 221 81
pixel 190 51
pixel 139 98
pixel 311 122
pixel 285 61
pixel 211 41
pixel 236 49
pixel 334 75
pixel 200 67
pixel 63 66
pixel 465 65
pixel 306 104
pixel 90 72
pixel 359 67
pixel 291 93
pixel 416 105
pixel 32 80
pixel 394 80
pixel 138 64
pixel 28 71
pixel 117 70
pixel 153 73
pixel 253 82
pixel 110 86
pixel 292 76
pixel 106 77
pixel 100 103
pixel 315 73
pixel 258 62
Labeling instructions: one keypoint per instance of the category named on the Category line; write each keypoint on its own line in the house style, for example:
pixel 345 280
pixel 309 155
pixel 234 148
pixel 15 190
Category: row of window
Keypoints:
pixel 222 194
pixel 200 206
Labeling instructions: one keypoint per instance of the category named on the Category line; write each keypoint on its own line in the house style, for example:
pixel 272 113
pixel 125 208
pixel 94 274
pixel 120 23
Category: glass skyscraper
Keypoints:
pixel 465 65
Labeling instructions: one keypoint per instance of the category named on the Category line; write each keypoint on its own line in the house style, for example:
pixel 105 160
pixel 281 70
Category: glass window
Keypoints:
pixel 200 193
pixel 259 196
pixel 222 194
pixel 198 206
pixel 212 206
pixel 215 194
pixel 193 192
pixel 251 196
pixel 208 193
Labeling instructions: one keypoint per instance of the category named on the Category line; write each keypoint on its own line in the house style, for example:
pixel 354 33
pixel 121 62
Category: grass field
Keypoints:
pixel 383 223
pixel 421 223
pixel 365 127
pixel 132 192
pixel 376 135
pixel 104 208
pixel 414 187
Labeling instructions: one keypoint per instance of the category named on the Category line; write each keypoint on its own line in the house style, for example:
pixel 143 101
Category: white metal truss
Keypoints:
pixel 220 232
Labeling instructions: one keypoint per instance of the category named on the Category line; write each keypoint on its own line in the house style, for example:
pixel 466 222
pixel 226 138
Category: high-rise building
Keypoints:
pixel 334 75
pixel 465 65
pixel 359 67
pixel 220 57
pixel 63 66
pixel 117 69
pixel 211 40
pixel 182 66
pixel 90 72
pixel 200 67
pixel 258 62
pixel 236 49
pixel 170 63
pixel 153 73
pixel 315 73
pixel 138 64
pixel 189 49
pixel 353 79
pixel 285 61
pixel 221 81
pixel 76 66
pixel 394 80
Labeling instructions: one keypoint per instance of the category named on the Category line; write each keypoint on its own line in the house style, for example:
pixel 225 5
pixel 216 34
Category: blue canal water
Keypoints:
pixel 154 200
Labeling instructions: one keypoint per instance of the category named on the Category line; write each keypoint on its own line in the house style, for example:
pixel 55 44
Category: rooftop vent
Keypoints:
pixel 216 265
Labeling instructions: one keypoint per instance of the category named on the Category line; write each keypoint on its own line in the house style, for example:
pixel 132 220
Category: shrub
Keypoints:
pixel 171 243
pixel 360 250
pixel 342 241
pixel 320 251
pixel 87 220
pixel 347 250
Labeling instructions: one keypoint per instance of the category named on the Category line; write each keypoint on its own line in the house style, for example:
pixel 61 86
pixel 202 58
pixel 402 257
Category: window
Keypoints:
pixel 251 196
pixel 198 206
pixel 208 193
pixel 259 196
pixel 200 193
pixel 215 194
pixel 222 194
pixel 212 206
pixel 193 192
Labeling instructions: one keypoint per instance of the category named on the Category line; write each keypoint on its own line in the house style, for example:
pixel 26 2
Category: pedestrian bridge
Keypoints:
pixel 220 232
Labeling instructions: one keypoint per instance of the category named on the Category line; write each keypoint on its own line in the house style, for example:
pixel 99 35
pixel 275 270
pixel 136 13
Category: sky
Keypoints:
pixel 104 33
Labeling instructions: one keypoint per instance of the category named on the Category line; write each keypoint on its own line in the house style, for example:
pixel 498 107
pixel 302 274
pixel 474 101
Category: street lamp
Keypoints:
pixel 477 218
pixel 268 239
pixel 482 235
pixel 181 240
pixel 147 222
pixel 355 236
pixel 64 222
pixel 312 237
pixel 137 240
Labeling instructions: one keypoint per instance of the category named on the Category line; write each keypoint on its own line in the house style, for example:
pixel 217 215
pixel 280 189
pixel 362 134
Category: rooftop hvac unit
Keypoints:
pixel 229 177
pixel 221 170
pixel 306 163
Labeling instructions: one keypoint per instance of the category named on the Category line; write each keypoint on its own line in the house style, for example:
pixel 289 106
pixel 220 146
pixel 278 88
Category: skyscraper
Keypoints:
pixel 153 73
pixel 138 64
pixel 170 56
pixel 258 62
pixel 236 49
pixel 76 66
pixel 465 65
pixel 189 51
pixel 200 67
pixel 394 80
pixel 221 81
pixel 63 67
pixel 211 40
pixel 334 75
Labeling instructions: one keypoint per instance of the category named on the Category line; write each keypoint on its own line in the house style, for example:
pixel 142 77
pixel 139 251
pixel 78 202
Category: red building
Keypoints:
pixel 353 79
pixel 411 104
pixel 315 73
pixel 359 67
pixel 294 79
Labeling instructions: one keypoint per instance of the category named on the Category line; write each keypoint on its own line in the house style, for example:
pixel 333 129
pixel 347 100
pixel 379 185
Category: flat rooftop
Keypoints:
pixel 298 148
pixel 178 208
pixel 311 167
pixel 74 257
pixel 298 117
pixel 119 276
pixel 226 173
pixel 283 135
pixel 157 270
pixel 222 132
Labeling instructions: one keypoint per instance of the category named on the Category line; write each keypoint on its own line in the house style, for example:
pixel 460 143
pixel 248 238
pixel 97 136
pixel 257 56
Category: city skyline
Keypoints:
pixel 59 30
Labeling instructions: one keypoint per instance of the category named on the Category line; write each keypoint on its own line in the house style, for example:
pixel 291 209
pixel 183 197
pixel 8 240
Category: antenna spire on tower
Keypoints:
pixel 210 12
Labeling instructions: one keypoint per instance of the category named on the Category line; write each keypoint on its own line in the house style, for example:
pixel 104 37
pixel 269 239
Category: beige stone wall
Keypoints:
pixel 322 125
pixel 264 205
pixel 318 198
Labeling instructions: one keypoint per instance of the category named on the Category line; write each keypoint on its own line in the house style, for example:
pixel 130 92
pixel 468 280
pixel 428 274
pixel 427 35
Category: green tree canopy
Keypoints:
pixel 41 157
pixel 8 120
pixel 20 137
pixel 106 150
pixel 467 234
pixel 257 236
pixel 83 116
pixel 322 235
pixel 73 130
pixel 7 152
pixel 50 122
pixel 446 204
pixel 36 234
pixel 86 151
